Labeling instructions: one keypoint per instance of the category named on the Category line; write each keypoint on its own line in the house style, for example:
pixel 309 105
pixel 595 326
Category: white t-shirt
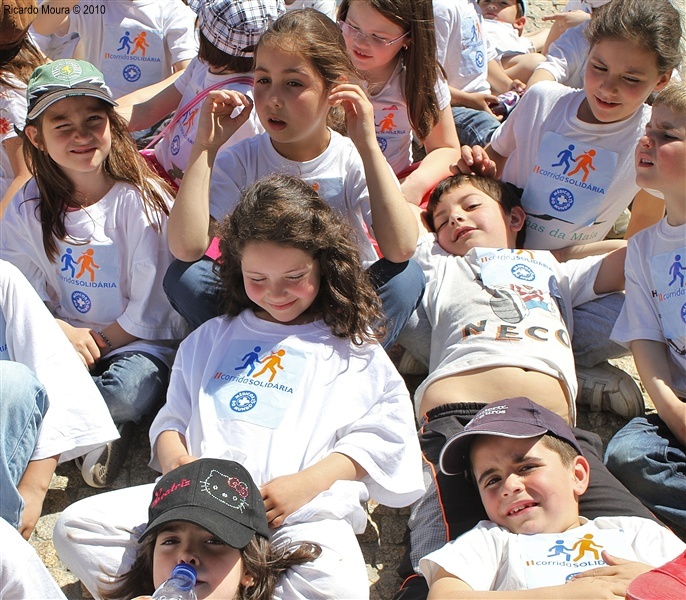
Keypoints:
pixel 109 269
pixel 567 56
pixel 328 7
pixel 491 558
pixel 77 420
pixel 22 572
pixel 12 112
pixel 279 398
pixel 461 46
pixel 655 305
pixel 505 39
pixel 494 308
pixel 174 148
pixel 392 120
pixel 135 43
pixel 577 177
pixel 337 174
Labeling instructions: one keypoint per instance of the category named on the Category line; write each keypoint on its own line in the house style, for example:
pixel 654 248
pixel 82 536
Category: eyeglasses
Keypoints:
pixel 371 38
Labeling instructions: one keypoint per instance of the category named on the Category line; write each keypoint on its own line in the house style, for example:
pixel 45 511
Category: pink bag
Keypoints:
pixel 148 153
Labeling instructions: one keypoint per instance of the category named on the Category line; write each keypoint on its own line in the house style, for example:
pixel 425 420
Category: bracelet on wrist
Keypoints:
pixel 107 341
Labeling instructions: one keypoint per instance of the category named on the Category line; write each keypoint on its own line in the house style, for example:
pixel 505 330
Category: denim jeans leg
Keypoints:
pixel 131 383
pixel 400 287
pixel 193 290
pixel 593 323
pixel 22 407
pixel 474 127
pixel 646 457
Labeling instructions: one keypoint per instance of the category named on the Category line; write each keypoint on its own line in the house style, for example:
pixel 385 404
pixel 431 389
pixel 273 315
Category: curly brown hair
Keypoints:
pixel 123 163
pixel 260 559
pixel 284 210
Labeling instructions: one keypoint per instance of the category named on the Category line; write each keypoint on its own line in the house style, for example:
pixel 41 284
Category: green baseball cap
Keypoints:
pixel 63 79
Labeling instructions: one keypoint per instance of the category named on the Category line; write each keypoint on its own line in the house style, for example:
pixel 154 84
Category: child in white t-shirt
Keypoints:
pixel 530 472
pixel 134 43
pixel 649 454
pixel 228 32
pixel 292 383
pixel 503 25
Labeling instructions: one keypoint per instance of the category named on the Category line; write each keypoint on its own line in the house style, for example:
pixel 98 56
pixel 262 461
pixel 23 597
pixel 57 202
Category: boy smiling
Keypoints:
pixel 530 473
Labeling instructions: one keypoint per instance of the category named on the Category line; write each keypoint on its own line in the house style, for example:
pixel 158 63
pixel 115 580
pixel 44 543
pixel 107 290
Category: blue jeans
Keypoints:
pixel 23 403
pixel 474 126
pixel 593 323
pixel 646 457
pixel 193 291
pixel 131 383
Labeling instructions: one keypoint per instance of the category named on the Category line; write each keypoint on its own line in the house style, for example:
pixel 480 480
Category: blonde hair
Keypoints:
pixel 673 97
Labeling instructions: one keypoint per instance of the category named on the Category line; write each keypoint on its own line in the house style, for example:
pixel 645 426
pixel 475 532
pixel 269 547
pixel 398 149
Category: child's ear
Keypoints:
pixel 31 132
pixel 519 24
pixel 582 475
pixel 664 80
pixel 517 218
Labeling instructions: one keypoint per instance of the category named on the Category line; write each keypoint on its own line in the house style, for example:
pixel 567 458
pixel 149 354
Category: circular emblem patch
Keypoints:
pixel 131 73
pixel 243 401
pixel 523 272
pixel 81 302
pixel 561 199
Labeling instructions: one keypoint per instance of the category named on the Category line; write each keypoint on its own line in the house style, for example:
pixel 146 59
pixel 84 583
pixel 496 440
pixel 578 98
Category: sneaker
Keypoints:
pixel 409 365
pixel 100 467
pixel 605 387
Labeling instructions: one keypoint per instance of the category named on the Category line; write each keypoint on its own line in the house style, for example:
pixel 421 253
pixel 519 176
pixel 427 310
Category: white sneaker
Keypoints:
pixel 409 365
pixel 100 467
pixel 606 387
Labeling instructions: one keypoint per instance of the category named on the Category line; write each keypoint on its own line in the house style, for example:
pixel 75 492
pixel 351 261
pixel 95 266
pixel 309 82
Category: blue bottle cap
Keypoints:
pixel 188 571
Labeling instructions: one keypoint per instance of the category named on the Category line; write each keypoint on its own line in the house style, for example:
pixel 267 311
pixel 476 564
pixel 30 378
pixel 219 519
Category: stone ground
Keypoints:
pixel 382 542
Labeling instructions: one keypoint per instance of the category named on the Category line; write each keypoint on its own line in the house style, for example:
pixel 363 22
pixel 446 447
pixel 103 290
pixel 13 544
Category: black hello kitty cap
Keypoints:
pixel 217 495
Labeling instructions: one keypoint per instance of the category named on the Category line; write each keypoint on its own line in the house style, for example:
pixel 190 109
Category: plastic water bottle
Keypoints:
pixel 180 586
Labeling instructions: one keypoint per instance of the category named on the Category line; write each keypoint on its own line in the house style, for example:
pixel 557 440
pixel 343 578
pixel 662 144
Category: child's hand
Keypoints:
pixel 33 506
pixel 615 577
pixel 284 495
pixel 222 113
pixel 359 112
pixel 474 159
pixel 83 340
pixel 478 101
pixel 517 86
pixel 569 19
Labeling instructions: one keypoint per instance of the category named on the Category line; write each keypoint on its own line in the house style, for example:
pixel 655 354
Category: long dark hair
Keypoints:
pixel 19 61
pixel 422 66
pixel 123 163
pixel 284 210
pixel 264 562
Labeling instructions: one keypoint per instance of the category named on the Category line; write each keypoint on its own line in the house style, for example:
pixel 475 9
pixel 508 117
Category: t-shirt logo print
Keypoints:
pixel 228 490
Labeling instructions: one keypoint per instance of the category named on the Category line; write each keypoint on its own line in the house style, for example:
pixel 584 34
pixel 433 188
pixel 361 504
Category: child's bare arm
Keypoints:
pixel 396 230
pixel 652 362
pixel 449 587
pixel 442 150
pixel 171 452
pixel 584 250
pixel 33 486
pixel 284 495
pixel 610 276
pixel 646 210
pixel 149 105
pixel 189 220
pixel 54 21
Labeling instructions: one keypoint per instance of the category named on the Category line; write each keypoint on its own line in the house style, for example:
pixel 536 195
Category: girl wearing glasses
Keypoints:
pixel 392 43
